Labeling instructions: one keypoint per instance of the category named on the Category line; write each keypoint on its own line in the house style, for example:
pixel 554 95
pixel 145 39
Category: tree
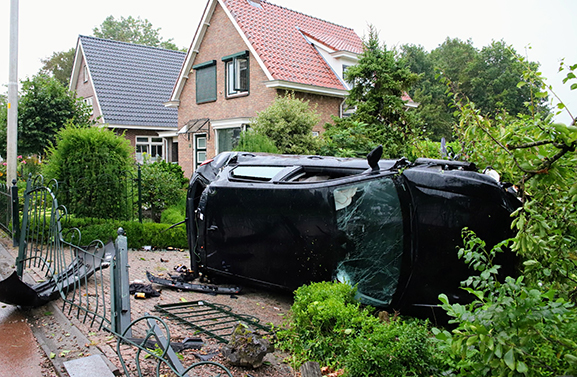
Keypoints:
pixel 289 123
pixel 379 82
pixel 88 163
pixel 45 106
pixel 487 77
pixel 59 65
pixel 132 30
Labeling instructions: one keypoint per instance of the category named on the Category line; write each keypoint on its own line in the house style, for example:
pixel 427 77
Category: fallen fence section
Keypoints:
pixel 75 274
pixel 215 320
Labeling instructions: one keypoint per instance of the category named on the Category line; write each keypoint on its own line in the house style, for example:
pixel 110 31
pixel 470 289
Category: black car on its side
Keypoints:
pixel 389 227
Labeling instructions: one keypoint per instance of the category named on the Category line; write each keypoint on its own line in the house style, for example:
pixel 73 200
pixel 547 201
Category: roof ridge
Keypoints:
pixel 308 15
pixel 130 44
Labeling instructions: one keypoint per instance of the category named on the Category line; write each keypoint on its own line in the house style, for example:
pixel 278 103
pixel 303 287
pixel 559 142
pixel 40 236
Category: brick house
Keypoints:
pixel 126 84
pixel 244 54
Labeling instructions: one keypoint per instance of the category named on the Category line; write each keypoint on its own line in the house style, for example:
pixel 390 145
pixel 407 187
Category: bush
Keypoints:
pixel 138 235
pixel 327 325
pixel 160 188
pixel 510 329
pixel 88 164
pixel 176 213
pixel 391 349
pixel 289 123
pixel 250 141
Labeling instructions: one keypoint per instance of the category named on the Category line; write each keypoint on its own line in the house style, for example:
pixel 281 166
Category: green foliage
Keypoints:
pixel 88 164
pixel 59 65
pixel 175 213
pixel 132 30
pixel 510 329
pixel 379 82
pixel 251 141
pixel 539 157
pixel 160 187
pixel 289 122
pixel 488 77
pixel 45 107
pixel 392 349
pixel 138 234
pixel 327 325
pixel 347 138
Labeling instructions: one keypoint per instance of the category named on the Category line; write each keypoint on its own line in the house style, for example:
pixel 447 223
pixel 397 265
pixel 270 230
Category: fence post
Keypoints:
pixel 15 214
pixel 120 300
pixel 139 194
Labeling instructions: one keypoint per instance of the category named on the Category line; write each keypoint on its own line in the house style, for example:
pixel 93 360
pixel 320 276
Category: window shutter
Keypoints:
pixel 205 81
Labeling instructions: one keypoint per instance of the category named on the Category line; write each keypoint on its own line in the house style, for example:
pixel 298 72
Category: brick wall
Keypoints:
pixel 222 39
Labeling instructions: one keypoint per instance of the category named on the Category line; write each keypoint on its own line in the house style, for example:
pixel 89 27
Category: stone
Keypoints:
pixel 246 347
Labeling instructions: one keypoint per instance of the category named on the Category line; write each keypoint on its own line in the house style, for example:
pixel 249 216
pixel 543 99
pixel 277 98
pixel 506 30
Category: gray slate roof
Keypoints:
pixel 133 81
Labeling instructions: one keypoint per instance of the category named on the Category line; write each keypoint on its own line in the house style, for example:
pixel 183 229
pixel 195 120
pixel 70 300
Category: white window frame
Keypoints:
pixel 198 149
pixel 88 101
pixel 242 123
pixel 150 143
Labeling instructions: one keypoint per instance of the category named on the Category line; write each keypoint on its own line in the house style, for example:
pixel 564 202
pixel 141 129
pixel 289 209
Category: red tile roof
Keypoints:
pixel 279 37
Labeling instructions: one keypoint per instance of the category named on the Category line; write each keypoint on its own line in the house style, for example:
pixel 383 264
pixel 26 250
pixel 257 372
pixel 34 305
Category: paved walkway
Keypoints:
pixel 19 352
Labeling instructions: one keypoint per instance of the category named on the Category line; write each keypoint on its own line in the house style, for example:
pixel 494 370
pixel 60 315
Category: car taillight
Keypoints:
pixel 207 161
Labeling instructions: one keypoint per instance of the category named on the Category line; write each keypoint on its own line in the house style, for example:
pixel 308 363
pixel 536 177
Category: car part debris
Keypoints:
pixel 186 286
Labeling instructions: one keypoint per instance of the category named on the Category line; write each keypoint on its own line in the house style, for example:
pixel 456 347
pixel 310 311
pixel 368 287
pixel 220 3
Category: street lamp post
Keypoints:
pixel 12 126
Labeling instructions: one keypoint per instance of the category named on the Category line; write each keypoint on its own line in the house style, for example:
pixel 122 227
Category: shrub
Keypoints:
pixel 175 213
pixel 160 188
pixel 289 122
pixel 138 235
pixel 510 329
pixel 327 325
pixel 88 164
pixel 391 349
pixel 250 141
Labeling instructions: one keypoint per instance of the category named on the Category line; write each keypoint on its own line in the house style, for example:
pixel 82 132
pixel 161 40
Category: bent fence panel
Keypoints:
pixel 75 273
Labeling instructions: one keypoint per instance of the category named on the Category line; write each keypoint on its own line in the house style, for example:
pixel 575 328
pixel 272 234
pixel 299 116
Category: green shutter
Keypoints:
pixel 205 81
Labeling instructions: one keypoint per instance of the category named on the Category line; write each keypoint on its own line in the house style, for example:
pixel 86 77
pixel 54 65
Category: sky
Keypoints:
pixel 544 31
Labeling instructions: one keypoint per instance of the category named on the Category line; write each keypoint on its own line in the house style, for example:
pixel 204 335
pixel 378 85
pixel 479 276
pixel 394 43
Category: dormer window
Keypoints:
pixel 237 73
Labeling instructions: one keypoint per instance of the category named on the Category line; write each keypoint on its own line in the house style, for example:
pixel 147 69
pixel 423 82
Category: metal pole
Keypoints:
pixel 139 194
pixel 12 126
pixel 15 214
pixel 121 287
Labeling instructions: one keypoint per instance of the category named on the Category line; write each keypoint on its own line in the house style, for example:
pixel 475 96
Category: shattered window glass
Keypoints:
pixel 369 214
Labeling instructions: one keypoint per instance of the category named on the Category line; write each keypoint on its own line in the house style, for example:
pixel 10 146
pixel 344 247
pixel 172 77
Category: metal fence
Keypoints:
pixel 9 218
pixel 76 275
pixel 116 195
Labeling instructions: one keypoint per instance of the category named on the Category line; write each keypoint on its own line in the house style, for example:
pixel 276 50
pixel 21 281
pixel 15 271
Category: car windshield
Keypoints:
pixel 369 214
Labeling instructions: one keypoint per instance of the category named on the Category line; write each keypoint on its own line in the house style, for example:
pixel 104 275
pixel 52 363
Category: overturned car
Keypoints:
pixel 389 227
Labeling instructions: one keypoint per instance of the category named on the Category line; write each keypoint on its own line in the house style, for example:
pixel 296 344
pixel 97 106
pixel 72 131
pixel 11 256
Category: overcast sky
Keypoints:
pixel 548 27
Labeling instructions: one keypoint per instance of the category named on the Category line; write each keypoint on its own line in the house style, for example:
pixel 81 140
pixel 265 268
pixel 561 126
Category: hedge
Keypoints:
pixel 138 234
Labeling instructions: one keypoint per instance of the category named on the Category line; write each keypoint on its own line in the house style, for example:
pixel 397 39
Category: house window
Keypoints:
pixel 227 138
pixel 237 73
pixel 85 73
pixel 148 145
pixel 199 149
pixel 205 81
pixel 88 102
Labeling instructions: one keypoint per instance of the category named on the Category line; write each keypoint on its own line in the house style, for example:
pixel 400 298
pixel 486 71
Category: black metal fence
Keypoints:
pixel 9 213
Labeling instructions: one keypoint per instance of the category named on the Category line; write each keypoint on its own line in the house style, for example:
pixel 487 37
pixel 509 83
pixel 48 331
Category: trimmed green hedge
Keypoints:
pixel 137 234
